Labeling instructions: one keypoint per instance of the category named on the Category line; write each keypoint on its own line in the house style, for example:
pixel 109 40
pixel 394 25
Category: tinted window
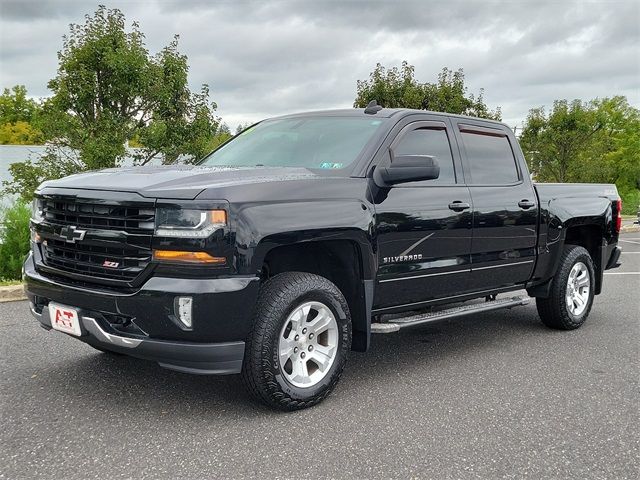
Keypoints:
pixel 435 143
pixel 490 158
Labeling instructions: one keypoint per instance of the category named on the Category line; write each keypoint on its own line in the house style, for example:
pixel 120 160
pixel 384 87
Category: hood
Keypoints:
pixel 184 182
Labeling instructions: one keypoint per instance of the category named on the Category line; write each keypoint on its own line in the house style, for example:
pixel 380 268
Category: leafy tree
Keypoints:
pixel 28 175
pixel 20 133
pixel 398 88
pixel 19 117
pixel 110 89
pixel 552 143
pixel 222 135
pixel 595 141
pixel 15 106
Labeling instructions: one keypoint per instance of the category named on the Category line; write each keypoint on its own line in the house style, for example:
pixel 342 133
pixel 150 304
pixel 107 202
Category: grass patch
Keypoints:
pixel 8 283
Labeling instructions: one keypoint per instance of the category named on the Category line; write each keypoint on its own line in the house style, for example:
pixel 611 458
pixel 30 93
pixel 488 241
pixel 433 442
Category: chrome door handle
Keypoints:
pixel 526 204
pixel 458 206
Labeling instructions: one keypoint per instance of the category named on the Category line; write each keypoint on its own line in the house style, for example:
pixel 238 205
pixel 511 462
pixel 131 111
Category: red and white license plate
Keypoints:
pixel 65 319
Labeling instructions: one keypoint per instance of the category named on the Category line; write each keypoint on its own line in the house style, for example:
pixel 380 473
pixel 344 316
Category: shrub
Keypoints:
pixel 630 201
pixel 14 240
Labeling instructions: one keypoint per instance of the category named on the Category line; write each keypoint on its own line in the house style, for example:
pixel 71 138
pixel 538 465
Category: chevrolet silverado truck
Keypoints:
pixel 294 242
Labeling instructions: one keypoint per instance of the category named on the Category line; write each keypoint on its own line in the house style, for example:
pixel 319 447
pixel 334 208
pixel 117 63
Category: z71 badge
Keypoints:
pixel 402 258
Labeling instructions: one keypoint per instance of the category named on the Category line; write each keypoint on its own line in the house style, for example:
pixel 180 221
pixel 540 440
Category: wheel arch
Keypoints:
pixel 345 260
pixel 584 221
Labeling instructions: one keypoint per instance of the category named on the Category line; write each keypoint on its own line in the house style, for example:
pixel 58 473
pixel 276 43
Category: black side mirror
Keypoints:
pixel 407 168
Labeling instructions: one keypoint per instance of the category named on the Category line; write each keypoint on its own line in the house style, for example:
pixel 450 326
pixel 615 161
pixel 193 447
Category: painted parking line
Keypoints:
pixel 622 273
pixel 630 241
pixel 630 253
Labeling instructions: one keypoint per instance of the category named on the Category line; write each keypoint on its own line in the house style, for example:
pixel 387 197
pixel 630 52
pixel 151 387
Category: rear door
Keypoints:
pixel 505 209
pixel 423 228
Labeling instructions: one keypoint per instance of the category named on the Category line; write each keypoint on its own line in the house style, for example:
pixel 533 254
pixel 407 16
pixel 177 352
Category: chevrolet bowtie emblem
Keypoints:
pixel 71 234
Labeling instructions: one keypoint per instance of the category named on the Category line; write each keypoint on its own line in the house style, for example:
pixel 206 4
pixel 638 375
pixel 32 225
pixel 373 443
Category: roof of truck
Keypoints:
pixel 384 113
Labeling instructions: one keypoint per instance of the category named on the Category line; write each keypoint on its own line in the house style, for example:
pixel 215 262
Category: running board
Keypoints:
pixel 398 323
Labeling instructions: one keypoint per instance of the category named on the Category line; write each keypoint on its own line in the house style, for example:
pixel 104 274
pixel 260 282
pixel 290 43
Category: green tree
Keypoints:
pixel 110 89
pixel 20 133
pixel 15 106
pixel 398 88
pixel 222 135
pixel 594 141
pixel 553 143
pixel 19 116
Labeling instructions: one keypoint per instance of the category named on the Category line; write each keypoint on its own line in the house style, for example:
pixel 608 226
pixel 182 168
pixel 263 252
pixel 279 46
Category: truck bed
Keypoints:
pixel 550 191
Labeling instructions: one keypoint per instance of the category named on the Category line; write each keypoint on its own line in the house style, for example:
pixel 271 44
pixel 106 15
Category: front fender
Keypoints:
pixel 263 227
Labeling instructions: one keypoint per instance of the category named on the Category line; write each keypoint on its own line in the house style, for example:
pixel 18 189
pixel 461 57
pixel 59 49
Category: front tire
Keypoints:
pixel 298 347
pixel 571 296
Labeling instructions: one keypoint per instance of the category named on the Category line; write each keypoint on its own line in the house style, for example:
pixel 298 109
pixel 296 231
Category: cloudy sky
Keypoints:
pixel 267 58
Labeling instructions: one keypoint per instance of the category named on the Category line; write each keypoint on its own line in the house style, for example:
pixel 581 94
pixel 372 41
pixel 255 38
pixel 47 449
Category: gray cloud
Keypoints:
pixel 267 58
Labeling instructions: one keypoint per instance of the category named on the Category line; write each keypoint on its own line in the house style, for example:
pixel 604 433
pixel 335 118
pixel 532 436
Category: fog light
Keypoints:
pixel 183 309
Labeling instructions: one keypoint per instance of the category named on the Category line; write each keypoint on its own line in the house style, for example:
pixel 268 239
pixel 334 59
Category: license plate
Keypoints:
pixel 65 319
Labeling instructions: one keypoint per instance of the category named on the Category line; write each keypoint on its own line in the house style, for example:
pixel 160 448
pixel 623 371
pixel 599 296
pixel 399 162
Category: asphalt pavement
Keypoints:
pixel 496 395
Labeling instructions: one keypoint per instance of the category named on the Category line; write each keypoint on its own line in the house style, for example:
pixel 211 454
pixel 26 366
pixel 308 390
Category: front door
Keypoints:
pixel 423 228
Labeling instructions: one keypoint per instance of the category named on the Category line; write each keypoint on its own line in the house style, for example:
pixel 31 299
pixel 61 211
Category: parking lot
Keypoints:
pixel 493 395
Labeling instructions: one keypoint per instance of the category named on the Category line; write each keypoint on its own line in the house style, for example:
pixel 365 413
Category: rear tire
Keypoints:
pixel 298 346
pixel 571 296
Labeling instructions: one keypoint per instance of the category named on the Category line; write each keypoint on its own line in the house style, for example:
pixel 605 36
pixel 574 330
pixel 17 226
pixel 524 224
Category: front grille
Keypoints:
pixel 116 245
pixel 90 259
pixel 133 219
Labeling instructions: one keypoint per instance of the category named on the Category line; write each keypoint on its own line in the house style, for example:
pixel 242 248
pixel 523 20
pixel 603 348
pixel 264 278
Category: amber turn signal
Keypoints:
pixel 186 257
pixel 218 217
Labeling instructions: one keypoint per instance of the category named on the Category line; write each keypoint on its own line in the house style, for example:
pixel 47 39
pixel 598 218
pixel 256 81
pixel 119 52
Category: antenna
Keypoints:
pixel 372 108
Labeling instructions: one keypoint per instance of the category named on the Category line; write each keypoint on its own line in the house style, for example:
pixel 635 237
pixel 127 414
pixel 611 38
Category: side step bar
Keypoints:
pixel 421 318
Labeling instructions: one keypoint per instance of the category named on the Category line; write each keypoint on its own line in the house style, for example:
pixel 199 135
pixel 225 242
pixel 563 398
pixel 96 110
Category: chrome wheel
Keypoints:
pixel 578 288
pixel 308 344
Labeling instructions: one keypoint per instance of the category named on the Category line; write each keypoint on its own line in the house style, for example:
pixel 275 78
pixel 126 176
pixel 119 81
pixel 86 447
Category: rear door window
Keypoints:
pixel 490 159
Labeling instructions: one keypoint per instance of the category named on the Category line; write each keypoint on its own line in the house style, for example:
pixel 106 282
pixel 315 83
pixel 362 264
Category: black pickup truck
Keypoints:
pixel 292 243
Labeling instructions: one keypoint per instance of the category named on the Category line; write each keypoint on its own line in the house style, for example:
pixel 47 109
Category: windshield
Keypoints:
pixel 311 142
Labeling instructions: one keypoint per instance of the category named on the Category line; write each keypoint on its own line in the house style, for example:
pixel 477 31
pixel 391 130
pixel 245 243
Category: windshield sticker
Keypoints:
pixel 330 165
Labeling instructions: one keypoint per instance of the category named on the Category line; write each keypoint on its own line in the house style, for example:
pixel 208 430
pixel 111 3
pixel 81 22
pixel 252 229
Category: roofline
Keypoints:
pixel 384 113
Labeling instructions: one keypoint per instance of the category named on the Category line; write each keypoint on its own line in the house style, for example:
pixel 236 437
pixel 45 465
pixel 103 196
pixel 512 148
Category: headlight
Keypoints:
pixel 175 222
pixel 37 213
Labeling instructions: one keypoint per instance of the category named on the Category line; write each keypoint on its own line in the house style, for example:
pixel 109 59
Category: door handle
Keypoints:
pixel 526 204
pixel 458 206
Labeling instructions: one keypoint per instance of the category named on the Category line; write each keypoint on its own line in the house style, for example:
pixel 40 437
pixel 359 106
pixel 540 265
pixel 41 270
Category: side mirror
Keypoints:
pixel 407 168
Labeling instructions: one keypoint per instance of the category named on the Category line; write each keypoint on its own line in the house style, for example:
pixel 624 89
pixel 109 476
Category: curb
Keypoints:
pixel 12 293
pixel 630 228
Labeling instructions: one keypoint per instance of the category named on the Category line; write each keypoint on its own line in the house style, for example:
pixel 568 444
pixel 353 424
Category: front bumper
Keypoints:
pixel 222 312
pixel 200 358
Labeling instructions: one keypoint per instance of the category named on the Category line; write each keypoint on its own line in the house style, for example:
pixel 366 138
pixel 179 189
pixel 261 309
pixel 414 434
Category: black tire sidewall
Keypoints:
pixel 334 304
pixel 563 278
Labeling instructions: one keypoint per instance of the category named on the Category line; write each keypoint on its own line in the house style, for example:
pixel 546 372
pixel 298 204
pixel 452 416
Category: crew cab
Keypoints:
pixel 294 242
